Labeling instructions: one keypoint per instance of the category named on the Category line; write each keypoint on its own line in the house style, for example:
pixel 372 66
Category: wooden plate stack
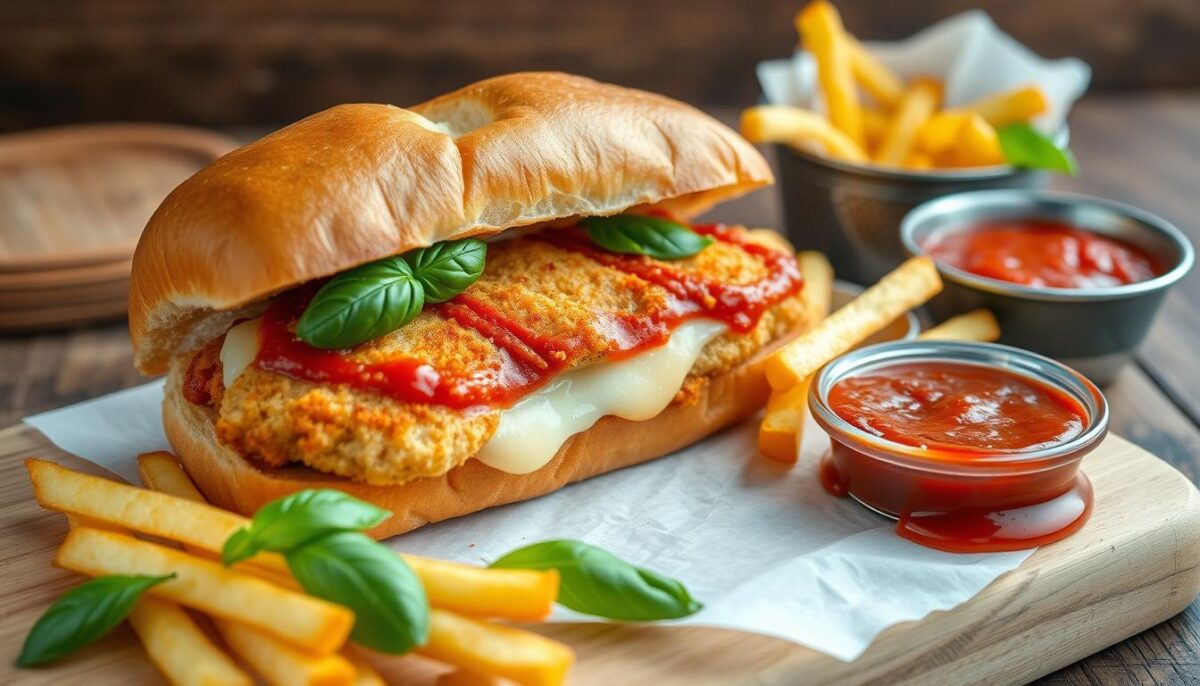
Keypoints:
pixel 73 202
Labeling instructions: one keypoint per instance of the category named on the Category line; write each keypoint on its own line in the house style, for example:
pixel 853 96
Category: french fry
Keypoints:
pixel 918 105
pixel 875 125
pixel 875 77
pixel 782 427
pixel 820 29
pixel 976 325
pixel 183 516
pixel 522 595
pixel 516 594
pixel 172 640
pixel 310 623
pixel 75 520
pixel 365 674
pixel 1022 104
pixel 275 661
pixel 918 161
pixel 522 656
pixel 115 504
pixel 281 664
pixel 180 649
pixel 909 285
pixel 1019 104
pixel 161 471
pixel 975 145
pixel 798 127
pixel 453 639
pixel 938 134
pixel 817 293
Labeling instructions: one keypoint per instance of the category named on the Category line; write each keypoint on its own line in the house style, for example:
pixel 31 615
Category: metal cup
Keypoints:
pixel 852 212
pixel 1094 330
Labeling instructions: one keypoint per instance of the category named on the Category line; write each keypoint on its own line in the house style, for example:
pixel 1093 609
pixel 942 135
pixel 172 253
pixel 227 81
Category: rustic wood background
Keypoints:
pixel 223 62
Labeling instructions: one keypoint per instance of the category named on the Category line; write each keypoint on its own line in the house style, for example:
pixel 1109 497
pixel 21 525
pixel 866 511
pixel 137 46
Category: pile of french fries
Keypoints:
pixel 873 117
pixel 282 635
pixel 790 369
pixel 268 626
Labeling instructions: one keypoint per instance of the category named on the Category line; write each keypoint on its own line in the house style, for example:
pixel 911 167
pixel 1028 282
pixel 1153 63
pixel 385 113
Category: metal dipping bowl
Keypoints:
pixel 1094 330
pixel 852 212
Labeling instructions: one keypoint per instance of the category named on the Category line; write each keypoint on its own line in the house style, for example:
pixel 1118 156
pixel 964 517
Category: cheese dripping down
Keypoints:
pixel 533 430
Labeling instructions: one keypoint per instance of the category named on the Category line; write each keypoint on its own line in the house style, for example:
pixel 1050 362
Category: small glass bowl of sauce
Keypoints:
pixel 972 447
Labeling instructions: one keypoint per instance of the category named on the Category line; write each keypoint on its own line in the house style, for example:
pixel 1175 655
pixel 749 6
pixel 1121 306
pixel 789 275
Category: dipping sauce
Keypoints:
pixel 959 407
pixel 972 447
pixel 1042 253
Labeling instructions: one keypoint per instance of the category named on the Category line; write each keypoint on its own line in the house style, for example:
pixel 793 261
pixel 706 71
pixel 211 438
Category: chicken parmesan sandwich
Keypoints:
pixel 461 304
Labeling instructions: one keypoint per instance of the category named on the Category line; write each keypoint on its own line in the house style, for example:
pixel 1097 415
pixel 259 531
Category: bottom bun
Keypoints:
pixel 230 481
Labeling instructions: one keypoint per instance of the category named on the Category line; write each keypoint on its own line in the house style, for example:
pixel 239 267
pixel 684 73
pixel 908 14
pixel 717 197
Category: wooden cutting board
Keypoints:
pixel 1134 564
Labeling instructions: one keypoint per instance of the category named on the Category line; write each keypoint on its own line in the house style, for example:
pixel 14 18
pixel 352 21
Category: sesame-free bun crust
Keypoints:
pixel 228 480
pixel 356 183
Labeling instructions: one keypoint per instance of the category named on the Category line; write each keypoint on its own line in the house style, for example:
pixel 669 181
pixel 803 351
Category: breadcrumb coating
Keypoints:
pixel 369 437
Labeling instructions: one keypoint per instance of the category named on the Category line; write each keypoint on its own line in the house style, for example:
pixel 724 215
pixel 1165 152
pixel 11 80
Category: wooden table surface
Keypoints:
pixel 1144 150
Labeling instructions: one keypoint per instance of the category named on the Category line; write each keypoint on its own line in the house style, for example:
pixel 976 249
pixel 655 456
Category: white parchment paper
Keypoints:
pixel 760 544
pixel 968 52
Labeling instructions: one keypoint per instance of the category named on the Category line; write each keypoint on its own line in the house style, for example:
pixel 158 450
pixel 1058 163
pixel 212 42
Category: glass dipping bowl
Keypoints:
pixel 963 501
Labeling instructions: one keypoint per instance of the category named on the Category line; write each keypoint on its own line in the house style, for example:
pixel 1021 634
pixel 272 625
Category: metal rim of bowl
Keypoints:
pixel 1020 198
pixel 945 175
pixel 855 290
pixel 1015 360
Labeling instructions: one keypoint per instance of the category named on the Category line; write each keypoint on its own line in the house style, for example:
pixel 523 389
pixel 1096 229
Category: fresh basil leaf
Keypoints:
pixel 596 582
pixel 446 269
pixel 361 304
pixel 390 610
pixel 83 615
pixel 655 237
pixel 293 520
pixel 1025 146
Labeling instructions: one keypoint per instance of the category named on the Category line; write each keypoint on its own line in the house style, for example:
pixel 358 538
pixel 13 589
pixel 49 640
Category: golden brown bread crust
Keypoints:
pixel 231 482
pixel 359 182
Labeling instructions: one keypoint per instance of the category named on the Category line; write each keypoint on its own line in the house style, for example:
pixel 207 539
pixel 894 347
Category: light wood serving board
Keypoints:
pixel 1135 563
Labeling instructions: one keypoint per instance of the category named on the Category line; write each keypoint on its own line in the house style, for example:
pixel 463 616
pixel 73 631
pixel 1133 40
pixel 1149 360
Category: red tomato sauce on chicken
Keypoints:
pixel 1049 254
pixel 532 359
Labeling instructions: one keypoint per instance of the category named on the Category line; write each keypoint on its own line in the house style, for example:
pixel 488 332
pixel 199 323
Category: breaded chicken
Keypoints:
pixel 561 294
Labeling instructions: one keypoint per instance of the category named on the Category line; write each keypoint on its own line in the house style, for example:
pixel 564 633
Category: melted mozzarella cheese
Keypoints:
pixel 638 388
pixel 533 430
pixel 239 350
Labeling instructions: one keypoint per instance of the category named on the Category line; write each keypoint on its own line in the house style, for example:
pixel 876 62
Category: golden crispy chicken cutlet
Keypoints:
pixel 545 305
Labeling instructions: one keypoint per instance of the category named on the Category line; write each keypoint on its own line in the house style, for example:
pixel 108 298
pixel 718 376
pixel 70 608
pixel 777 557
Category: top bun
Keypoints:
pixel 357 183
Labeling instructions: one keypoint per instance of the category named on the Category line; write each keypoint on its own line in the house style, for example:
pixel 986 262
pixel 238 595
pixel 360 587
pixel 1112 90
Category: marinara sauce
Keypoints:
pixel 1042 253
pixel 958 408
pixel 968 457
pixel 531 358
